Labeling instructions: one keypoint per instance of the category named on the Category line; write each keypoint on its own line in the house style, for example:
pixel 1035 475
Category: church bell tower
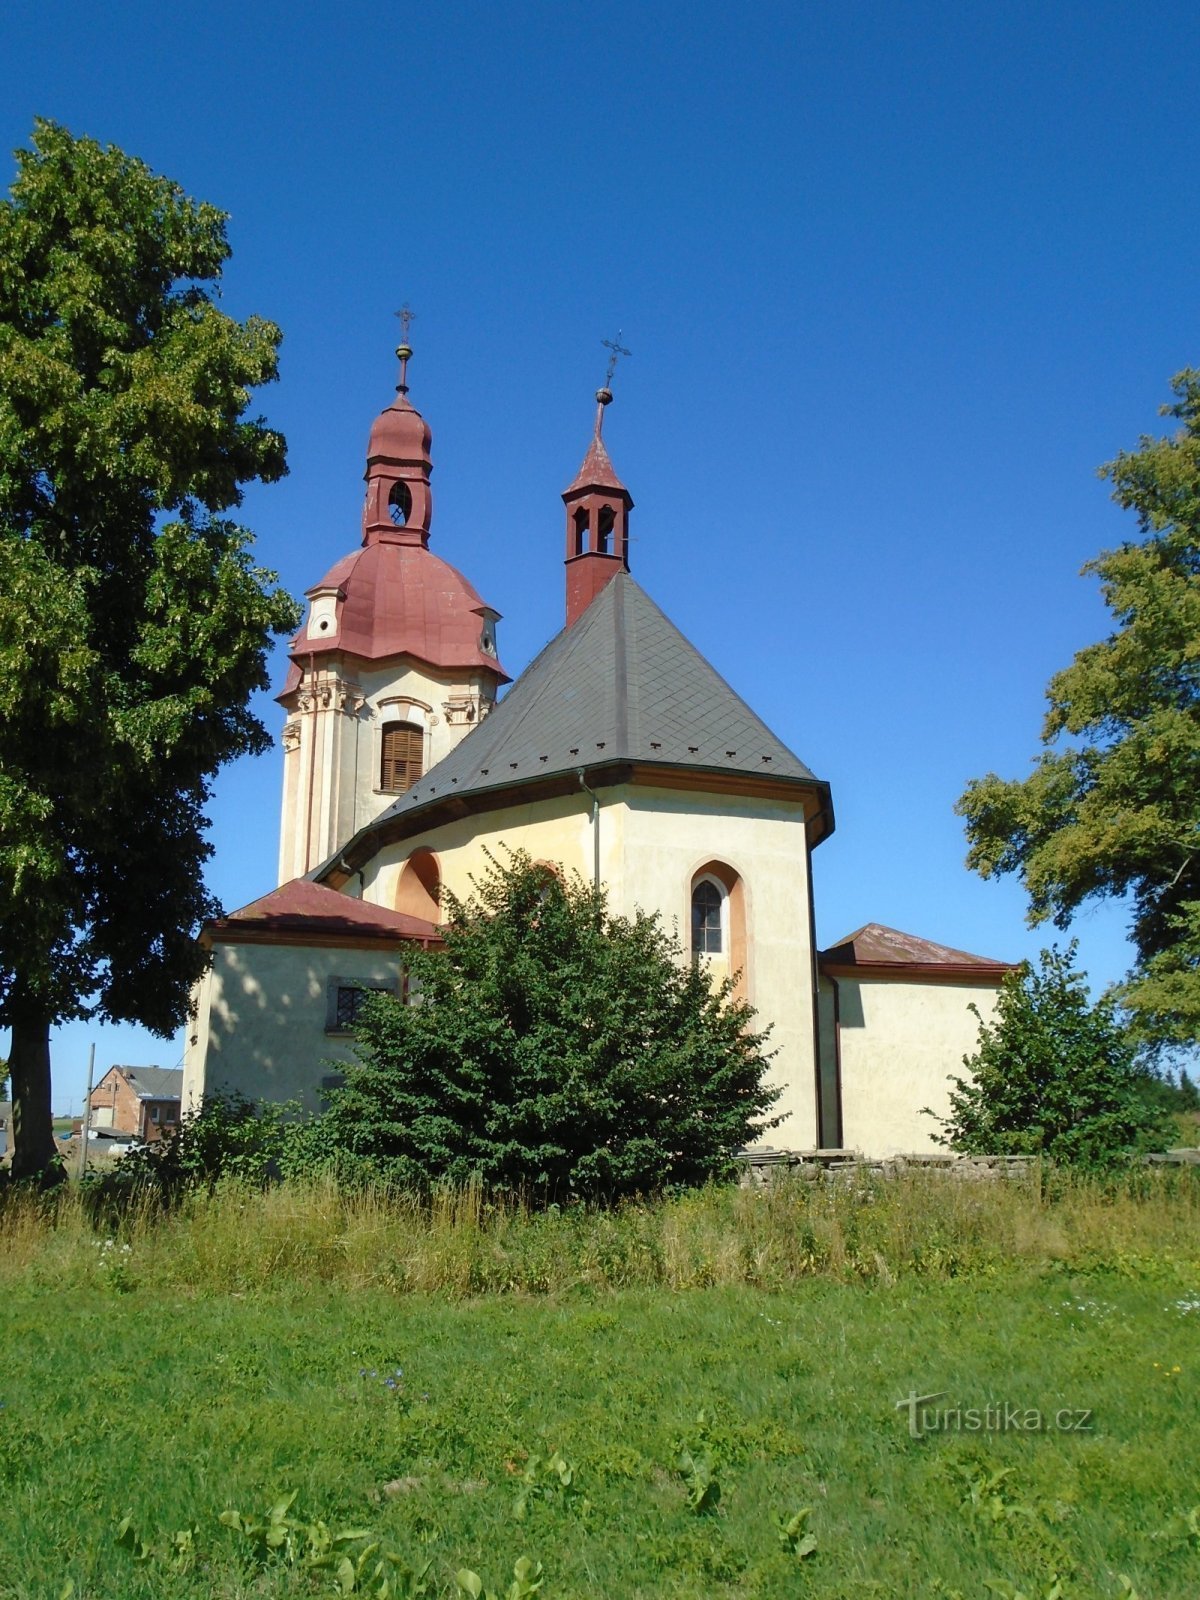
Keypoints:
pixel 598 506
pixel 396 660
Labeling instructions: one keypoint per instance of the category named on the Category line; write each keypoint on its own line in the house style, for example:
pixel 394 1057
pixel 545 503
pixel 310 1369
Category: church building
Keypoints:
pixel 619 753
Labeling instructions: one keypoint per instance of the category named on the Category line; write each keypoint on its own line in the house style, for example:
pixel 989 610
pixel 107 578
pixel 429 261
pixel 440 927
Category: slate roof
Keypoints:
pixel 879 947
pixel 155 1083
pixel 622 684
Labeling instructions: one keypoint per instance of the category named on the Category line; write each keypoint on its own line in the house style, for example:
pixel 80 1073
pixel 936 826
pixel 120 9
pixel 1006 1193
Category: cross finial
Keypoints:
pixel 407 317
pixel 615 349
pixel 604 396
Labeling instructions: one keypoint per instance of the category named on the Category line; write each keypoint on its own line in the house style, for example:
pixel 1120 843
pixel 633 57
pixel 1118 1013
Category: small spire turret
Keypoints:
pixel 399 501
pixel 598 506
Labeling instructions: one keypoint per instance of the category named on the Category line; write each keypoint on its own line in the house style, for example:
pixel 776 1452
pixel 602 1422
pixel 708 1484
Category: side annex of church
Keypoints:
pixel 619 753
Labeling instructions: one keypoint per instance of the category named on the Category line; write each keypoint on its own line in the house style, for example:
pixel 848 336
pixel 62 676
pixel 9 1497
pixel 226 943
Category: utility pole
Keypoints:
pixel 87 1113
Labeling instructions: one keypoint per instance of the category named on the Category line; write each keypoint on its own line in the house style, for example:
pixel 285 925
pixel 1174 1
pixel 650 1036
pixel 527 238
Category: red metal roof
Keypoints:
pixel 877 946
pixel 302 907
pixel 597 471
pixel 401 599
pixel 399 433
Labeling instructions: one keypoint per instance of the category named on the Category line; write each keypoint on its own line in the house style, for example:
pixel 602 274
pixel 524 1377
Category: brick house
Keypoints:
pixel 142 1101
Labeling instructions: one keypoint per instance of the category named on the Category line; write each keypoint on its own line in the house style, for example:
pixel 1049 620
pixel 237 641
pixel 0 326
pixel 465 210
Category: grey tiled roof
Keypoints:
pixel 156 1083
pixel 622 684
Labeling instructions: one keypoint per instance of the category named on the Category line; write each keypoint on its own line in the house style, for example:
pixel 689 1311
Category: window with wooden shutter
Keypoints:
pixel 400 766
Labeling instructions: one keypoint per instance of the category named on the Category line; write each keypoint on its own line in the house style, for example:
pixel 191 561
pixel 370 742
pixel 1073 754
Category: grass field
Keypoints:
pixel 705 1370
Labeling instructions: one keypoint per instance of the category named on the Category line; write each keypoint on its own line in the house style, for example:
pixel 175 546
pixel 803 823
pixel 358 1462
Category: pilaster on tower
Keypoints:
pixel 598 506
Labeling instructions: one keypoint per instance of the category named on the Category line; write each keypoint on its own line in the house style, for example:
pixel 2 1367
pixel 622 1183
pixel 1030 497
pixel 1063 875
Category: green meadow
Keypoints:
pixel 692 1398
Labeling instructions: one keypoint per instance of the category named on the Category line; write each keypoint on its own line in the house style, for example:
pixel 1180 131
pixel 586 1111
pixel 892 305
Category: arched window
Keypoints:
pixel 708 919
pixel 581 528
pixel 604 530
pixel 720 926
pixel 402 750
pixel 400 504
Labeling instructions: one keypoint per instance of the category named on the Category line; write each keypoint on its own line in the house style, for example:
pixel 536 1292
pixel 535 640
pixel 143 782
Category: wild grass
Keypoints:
pixel 458 1243
pixel 694 1399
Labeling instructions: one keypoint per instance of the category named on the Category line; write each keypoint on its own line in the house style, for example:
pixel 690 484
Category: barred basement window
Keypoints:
pixel 346 1005
pixel 402 752
pixel 349 1004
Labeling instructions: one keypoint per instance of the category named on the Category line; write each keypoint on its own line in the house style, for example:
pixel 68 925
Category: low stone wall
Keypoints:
pixel 760 1167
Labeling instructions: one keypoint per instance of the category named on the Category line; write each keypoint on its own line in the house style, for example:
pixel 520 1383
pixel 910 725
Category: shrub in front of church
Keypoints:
pixel 556 1049
pixel 1056 1076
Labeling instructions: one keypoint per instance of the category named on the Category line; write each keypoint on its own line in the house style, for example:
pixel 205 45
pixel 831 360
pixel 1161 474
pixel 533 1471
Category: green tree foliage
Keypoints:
pixel 556 1048
pixel 227 1137
pixel 1053 1075
pixel 133 623
pixel 1112 807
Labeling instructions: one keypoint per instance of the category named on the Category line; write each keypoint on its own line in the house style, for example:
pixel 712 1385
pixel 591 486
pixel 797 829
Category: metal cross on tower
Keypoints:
pixel 615 349
pixel 407 317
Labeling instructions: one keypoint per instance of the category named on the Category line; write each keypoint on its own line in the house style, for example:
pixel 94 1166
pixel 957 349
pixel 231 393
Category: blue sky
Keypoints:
pixel 896 280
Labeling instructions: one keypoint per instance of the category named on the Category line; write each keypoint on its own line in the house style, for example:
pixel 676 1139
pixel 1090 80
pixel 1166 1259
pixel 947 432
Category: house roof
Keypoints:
pixel 155 1083
pixel 309 911
pixel 878 950
pixel 620 685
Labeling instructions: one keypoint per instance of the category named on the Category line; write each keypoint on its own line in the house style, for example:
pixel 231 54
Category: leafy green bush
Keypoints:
pixel 229 1136
pixel 556 1048
pixel 1054 1075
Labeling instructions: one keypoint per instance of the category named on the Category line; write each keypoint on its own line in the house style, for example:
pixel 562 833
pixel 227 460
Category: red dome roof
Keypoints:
pixel 401 599
pixel 400 433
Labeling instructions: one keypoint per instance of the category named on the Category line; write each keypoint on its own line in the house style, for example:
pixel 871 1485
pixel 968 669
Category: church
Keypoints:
pixel 619 753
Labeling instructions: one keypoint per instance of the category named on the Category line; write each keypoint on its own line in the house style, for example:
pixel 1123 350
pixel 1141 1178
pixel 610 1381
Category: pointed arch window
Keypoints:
pixel 403 746
pixel 604 530
pixel 581 531
pixel 708 918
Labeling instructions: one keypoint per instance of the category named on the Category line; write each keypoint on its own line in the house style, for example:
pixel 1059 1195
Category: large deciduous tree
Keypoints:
pixel 557 1048
pixel 134 625
pixel 1112 807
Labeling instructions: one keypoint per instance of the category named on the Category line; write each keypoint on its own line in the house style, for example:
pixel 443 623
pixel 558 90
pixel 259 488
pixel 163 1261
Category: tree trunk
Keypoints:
pixel 35 1155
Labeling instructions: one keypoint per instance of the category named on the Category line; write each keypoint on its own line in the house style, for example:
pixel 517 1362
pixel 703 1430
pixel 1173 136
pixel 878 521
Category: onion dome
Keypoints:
pixel 393 597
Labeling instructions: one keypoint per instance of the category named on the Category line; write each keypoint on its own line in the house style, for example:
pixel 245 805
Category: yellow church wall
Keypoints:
pixel 901 1042
pixel 259 1010
pixel 669 835
pixel 558 830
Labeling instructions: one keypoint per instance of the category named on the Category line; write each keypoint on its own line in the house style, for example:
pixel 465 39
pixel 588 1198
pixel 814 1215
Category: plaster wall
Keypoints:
pixel 901 1041
pixel 668 836
pixel 830 1125
pixel 261 1018
pixel 332 746
pixel 557 831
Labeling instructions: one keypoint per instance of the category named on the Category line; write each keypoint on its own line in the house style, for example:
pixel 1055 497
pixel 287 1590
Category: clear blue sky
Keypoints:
pixel 897 279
